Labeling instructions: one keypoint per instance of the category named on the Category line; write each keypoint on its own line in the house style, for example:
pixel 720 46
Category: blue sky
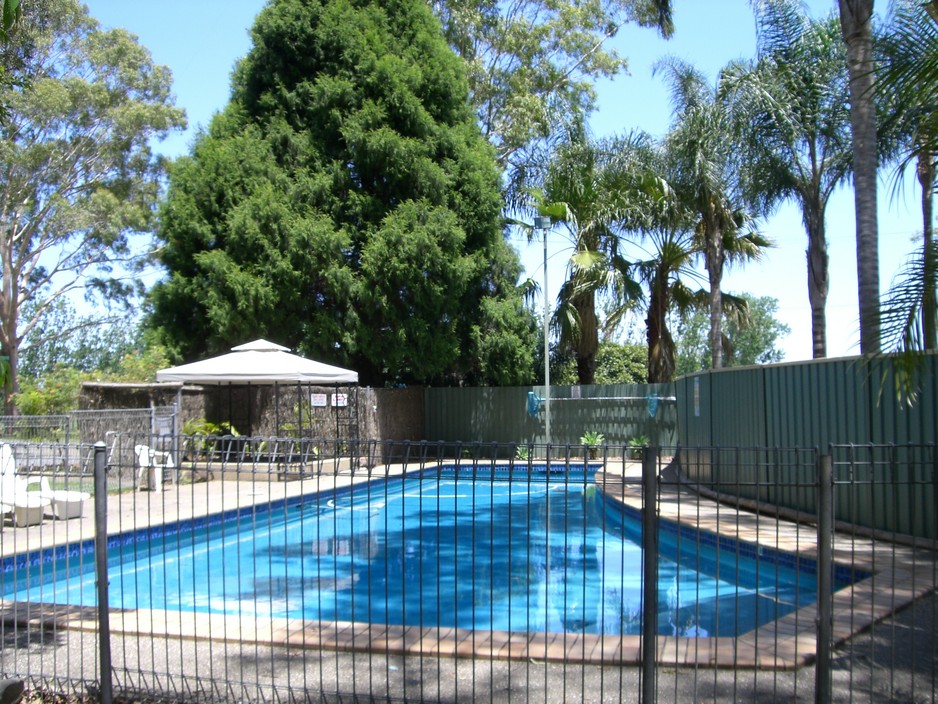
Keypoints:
pixel 200 40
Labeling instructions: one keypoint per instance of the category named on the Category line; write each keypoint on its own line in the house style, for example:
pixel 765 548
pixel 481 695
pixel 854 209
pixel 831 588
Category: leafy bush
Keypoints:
pixel 198 444
pixel 56 391
pixel 592 439
pixel 636 445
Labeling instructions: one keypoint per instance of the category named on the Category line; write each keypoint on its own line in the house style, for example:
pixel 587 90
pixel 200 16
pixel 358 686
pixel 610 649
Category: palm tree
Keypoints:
pixel 665 273
pixel 702 147
pixel 856 28
pixel 909 84
pixel 667 230
pixel 793 106
pixel 587 188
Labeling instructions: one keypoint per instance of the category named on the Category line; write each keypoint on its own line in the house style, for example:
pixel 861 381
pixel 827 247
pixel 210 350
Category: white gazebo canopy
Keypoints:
pixel 258 362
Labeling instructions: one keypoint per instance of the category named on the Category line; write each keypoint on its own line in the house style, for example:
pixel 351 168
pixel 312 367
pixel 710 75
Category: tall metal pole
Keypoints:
pixel 546 347
pixel 650 573
pixel 543 223
pixel 100 557
pixel 825 558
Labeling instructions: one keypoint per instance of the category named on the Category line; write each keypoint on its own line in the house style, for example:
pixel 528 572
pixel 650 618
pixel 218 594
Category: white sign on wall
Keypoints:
pixel 340 400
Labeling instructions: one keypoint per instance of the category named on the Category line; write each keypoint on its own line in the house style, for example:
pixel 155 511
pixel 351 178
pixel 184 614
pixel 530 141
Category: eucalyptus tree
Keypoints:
pixel 856 24
pixel 751 337
pixel 532 64
pixel 77 175
pixel 12 12
pixel 705 154
pixel 793 102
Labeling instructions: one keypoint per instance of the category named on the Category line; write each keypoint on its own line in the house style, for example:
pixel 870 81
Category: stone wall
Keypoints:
pixel 392 415
pixel 111 396
pixel 368 415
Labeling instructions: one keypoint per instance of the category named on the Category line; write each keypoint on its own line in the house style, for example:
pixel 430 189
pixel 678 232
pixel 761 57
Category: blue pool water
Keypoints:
pixel 544 552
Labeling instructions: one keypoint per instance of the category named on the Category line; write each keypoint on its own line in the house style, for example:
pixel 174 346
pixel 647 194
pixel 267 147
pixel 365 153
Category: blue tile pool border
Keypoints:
pixel 843 574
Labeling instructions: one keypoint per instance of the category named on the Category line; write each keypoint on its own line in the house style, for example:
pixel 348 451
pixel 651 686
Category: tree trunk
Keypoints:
pixel 661 361
pixel 855 25
pixel 926 177
pixel 8 325
pixel 714 264
pixel 587 337
pixel 818 279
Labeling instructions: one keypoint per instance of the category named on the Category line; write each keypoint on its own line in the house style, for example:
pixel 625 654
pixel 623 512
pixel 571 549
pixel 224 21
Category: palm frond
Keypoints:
pixel 908 83
pixel 905 311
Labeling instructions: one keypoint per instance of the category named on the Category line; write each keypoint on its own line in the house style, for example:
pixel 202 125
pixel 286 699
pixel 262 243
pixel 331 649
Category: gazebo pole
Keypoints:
pixel 250 429
pixel 277 410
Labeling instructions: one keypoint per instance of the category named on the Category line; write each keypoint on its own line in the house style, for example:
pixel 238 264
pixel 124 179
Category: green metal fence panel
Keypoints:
pixel 807 404
pixel 893 419
pixel 889 461
pixel 619 411
pixel 488 414
pixel 797 405
pixel 693 401
pixel 738 408
pixel 695 423
pixel 892 488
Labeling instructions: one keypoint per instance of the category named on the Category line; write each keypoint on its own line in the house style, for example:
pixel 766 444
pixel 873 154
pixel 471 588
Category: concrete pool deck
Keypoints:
pixel 899 574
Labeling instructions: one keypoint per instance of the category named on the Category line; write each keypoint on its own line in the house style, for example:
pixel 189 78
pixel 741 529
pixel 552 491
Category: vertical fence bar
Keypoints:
pixel 650 576
pixel 825 624
pixel 100 555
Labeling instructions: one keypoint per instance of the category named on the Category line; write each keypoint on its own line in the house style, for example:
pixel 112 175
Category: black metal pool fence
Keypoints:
pixel 279 569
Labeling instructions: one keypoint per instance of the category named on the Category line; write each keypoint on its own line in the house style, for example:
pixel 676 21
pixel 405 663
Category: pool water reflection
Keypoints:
pixel 536 551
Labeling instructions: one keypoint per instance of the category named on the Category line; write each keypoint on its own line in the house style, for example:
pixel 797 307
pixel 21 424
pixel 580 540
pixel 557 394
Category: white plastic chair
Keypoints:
pixel 26 504
pixel 66 503
pixel 28 507
pixel 7 461
pixel 150 466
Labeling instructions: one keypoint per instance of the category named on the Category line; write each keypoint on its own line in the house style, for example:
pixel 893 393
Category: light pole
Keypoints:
pixel 542 222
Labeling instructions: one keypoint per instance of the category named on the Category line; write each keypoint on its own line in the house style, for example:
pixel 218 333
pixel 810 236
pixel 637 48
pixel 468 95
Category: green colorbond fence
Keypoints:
pixel 618 411
pixel 808 404
pixel 842 406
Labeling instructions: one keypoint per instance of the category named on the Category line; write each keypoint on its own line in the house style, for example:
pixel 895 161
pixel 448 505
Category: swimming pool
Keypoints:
pixel 466 548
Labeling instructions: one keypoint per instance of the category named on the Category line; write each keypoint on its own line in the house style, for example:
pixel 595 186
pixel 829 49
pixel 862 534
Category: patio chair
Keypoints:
pixel 150 467
pixel 7 461
pixel 66 503
pixel 28 507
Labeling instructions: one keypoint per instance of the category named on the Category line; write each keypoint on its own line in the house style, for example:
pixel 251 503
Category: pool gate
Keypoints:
pixel 269 569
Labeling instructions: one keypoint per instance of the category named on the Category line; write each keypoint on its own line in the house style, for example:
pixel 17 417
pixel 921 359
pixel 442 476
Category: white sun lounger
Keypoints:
pixel 29 506
pixel 66 503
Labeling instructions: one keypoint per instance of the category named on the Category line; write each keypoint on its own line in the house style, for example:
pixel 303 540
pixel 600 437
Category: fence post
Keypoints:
pixel 825 621
pixel 650 572
pixel 100 560
pixel 68 439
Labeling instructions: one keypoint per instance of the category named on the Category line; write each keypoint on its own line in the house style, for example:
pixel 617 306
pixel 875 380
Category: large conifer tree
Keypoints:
pixel 346 204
